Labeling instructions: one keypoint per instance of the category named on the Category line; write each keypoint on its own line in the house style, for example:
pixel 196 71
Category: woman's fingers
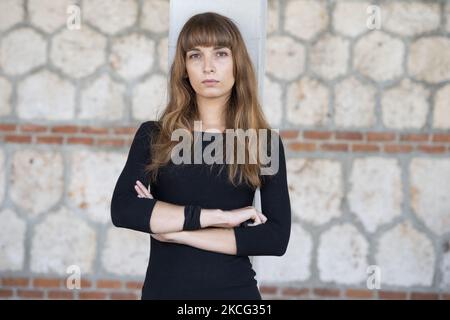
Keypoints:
pixel 142 190
pixel 256 219
pixel 259 218
pixel 262 217
pixel 140 193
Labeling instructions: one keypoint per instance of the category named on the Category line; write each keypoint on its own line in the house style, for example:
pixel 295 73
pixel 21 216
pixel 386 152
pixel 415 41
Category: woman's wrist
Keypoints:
pixel 213 218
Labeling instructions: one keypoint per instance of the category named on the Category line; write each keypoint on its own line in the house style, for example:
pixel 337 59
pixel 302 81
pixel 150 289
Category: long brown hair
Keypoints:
pixel 243 108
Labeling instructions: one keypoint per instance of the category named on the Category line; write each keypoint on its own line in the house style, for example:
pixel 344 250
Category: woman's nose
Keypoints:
pixel 208 65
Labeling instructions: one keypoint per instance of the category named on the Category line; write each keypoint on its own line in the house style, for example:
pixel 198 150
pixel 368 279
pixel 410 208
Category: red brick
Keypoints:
pixel 268 290
pixel 46 283
pixel 397 148
pixel 65 129
pixel 6 293
pixel 289 134
pixel 111 142
pixel 7 127
pixel 392 295
pixel 348 135
pixel 109 284
pixel 323 292
pixel 93 295
pixel 134 285
pixel 84 283
pixel 17 139
pixel 94 130
pixel 15 282
pixel 359 294
pixel 441 137
pixel 445 296
pixel 32 294
pixel 334 146
pixel 380 136
pixel 295 292
pixel 424 296
pixel 83 205
pixel 49 139
pixel 123 296
pixel 320 135
pixel 32 128
pixel 359 147
pixel 66 295
pixel 431 149
pixel 79 140
pixel 416 137
pixel 125 130
pixel 300 146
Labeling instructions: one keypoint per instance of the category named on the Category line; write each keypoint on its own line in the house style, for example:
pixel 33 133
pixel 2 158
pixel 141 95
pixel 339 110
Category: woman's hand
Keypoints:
pixel 237 216
pixel 142 191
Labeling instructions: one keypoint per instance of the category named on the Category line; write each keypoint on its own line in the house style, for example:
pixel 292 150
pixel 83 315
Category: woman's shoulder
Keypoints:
pixel 146 131
pixel 148 127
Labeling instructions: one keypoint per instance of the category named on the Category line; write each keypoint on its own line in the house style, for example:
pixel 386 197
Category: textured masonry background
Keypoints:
pixel 364 115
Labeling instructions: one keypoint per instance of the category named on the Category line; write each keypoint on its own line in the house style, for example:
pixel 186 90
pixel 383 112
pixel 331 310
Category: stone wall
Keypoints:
pixel 364 115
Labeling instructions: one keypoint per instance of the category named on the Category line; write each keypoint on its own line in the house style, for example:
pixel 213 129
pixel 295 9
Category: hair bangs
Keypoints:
pixel 206 34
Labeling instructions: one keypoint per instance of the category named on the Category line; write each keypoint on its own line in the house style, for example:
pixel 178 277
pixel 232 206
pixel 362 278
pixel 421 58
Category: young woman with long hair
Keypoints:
pixel 200 217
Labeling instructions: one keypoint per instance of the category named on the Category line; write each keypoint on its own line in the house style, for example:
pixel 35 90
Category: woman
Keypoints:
pixel 198 214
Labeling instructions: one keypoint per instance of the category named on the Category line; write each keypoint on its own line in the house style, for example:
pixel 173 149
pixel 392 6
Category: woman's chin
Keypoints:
pixel 212 93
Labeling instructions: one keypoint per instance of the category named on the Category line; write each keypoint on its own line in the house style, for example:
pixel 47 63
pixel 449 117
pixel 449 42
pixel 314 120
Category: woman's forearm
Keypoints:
pixel 220 240
pixel 168 217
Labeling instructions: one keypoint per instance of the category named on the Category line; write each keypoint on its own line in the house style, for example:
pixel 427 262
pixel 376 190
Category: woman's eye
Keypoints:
pixel 221 54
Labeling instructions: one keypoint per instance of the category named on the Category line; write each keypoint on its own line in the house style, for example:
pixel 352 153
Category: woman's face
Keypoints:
pixel 209 63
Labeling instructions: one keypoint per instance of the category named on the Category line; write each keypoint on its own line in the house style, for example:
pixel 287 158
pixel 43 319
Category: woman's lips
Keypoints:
pixel 210 83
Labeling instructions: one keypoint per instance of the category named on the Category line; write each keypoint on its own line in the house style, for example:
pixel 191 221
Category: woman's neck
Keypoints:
pixel 210 127
pixel 212 113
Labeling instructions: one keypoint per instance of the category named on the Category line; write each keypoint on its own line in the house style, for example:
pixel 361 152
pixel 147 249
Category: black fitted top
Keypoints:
pixel 181 271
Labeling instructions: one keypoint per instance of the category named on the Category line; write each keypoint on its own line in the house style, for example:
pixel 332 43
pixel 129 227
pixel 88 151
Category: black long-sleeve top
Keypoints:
pixel 184 272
